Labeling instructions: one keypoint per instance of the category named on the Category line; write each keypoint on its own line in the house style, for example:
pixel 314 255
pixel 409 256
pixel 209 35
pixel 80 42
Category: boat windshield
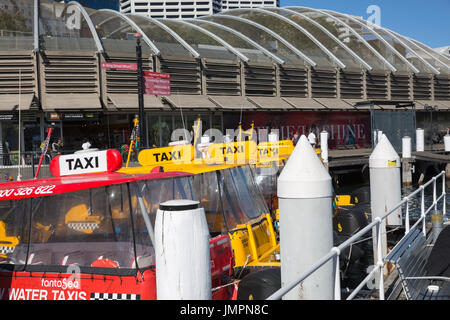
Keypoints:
pixel 230 197
pixel 102 229
pixel 266 176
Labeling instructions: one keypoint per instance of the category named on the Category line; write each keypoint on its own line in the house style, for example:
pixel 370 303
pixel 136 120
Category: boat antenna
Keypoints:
pixel 19 176
pixel 182 118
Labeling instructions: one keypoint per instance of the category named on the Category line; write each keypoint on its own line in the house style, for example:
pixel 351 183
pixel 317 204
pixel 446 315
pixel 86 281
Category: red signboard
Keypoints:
pixel 344 128
pixel 157 83
pixel 120 66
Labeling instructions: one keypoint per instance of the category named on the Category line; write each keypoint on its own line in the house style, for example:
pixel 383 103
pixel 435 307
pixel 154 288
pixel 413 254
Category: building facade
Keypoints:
pixel 282 68
pixel 243 4
pixel 174 9
pixel 171 9
pixel 99 4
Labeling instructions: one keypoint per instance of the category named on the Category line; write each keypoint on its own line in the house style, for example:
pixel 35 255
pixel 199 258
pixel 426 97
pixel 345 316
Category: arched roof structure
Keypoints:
pixel 294 52
pixel 321 38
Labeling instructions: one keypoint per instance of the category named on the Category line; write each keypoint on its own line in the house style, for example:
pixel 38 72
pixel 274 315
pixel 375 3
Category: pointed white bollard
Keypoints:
pixel 306 232
pixel 385 182
pixel 183 270
pixel 385 190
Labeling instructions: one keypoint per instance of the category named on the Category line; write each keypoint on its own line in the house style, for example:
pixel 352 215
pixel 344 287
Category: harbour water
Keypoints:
pixel 353 182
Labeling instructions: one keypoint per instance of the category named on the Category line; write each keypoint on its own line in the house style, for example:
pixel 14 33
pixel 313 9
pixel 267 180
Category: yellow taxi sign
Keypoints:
pixel 232 152
pixel 168 155
pixel 275 149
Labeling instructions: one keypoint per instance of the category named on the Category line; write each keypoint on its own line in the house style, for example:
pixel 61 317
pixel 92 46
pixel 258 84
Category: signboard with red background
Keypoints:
pixel 157 83
pixel 343 127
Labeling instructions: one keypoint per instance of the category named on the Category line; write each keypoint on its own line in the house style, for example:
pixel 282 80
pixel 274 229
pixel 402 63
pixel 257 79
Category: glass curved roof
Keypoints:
pixel 245 47
pixel 293 35
pixel 376 42
pixel 420 53
pixel 348 36
pixel 207 46
pixel 116 32
pixel 408 53
pixel 260 34
pixel 350 59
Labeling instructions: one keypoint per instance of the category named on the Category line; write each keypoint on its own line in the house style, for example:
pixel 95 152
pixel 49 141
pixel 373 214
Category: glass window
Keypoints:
pixel 16 26
pixel 241 198
pixel 207 192
pixel 14 230
pixel 153 130
pixel 63 27
pixel 10 142
pixel 88 228
pixel 165 130
pixel 157 191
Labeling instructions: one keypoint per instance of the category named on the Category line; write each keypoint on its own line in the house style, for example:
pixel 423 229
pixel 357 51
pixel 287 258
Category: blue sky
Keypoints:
pixel 425 21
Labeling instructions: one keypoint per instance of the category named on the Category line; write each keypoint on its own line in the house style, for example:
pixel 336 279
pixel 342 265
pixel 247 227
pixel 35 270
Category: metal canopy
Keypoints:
pixel 304 103
pixel 10 102
pixel 71 101
pixel 190 102
pixel 130 101
pixel 270 103
pixel 232 102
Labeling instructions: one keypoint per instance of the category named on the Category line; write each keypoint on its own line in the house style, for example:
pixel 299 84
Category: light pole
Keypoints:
pixel 142 127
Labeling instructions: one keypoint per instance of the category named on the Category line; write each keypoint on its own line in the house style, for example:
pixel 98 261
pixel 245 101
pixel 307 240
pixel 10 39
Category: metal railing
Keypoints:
pixel 334 253
pixel 9 166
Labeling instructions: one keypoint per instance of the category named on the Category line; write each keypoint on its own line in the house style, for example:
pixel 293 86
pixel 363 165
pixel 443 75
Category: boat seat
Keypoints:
pixel 410 257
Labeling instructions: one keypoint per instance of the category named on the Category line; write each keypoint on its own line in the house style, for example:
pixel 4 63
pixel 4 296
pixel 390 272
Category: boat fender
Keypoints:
pixel 361 195
pixel 259 285
pixel 349 220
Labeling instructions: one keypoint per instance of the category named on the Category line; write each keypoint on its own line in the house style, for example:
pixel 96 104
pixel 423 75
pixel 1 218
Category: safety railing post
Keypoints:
pixel 434 193
pixel 422 209
pixel 337 278
pixel 380 263
pixel 406 215
pixel 443 194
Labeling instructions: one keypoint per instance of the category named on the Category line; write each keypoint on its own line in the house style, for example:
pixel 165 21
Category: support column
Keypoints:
pixel 385 192
pixel 183 270
pixel 305 206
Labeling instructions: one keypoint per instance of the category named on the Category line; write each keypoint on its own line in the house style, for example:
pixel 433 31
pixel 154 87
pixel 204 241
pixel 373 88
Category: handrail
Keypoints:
pixel 334 253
